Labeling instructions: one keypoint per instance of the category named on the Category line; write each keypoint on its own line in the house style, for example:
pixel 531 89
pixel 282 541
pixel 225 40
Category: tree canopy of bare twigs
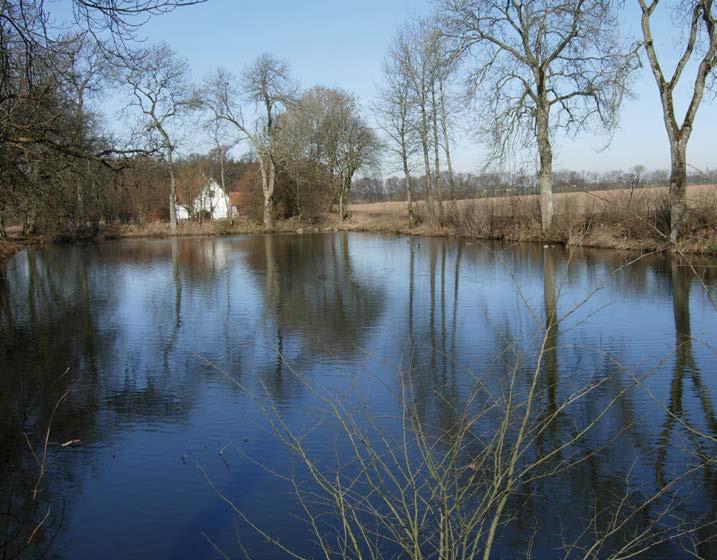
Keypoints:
pixel 416 108
pixel 395 116
pixel 52 142
pixel 329 129
pixel 266 84
pixel 163 94
pixel 539 66
pixel 412 52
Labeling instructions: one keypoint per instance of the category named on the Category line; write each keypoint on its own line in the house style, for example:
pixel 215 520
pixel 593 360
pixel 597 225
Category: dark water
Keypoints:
pixel 174 350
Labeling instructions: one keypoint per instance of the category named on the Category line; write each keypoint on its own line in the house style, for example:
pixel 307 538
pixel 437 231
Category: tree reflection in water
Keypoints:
pixel 357 317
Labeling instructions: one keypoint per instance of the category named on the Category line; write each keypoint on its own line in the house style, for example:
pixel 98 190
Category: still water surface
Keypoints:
pixel 173 348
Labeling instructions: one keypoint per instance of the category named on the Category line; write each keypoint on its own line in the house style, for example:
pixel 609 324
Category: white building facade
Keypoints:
pixel 211 200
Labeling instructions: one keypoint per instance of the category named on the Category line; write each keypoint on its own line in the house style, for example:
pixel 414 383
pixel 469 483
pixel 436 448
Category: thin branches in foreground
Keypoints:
pixel 420 486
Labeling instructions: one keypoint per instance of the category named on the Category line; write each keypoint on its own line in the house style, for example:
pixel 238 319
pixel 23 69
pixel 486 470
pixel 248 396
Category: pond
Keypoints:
pixel 152 391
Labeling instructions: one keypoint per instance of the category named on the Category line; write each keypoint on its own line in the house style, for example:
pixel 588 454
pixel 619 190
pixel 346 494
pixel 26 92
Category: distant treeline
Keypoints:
pixel 471 185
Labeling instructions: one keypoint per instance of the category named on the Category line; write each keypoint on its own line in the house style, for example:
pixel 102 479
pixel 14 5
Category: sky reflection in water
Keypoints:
pixel 160 337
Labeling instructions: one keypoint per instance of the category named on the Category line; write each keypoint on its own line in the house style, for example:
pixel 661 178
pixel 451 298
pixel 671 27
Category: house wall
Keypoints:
pixel 212 199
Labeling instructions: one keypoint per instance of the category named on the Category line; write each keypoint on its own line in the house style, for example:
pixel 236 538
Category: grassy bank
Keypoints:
pixel 619 219
pixel 615 219
pixel 220 227
pixel 634 220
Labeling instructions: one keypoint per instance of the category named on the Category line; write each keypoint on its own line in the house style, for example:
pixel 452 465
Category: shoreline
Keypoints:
pixel 585 219
pixel 601 238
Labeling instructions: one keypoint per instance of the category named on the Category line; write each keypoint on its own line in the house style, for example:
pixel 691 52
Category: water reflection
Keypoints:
pixel 550 357
pixel 429 345
pixel 315 304
pixel 695 419
pixel 143 328
pixel 50 324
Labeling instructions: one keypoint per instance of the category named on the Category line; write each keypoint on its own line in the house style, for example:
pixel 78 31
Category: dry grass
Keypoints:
pixel 622 219
pixel 186 229
pixel 619 219
pixel 580 202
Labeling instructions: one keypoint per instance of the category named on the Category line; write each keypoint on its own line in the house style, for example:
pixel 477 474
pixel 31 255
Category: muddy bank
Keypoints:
pixel 8 249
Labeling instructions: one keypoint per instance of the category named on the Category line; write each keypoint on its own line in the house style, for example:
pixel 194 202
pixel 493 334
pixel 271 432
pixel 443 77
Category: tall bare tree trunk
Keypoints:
pixel 342 208
pixel 447 142
pixel 344 197
pixel 227 198
pixel 3 231
pixel 678 188
pixel 80 206
pixel 297 181
pixel 426 157
pixel 545 177
pixel 268 177
pixel 409 193
pixel 172 193
pixel 436 152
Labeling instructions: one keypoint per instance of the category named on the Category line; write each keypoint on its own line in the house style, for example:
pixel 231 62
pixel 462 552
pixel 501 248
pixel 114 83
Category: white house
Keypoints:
pixel 211 199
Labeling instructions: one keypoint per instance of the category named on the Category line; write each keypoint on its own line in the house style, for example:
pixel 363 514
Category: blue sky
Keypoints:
pixel 342 44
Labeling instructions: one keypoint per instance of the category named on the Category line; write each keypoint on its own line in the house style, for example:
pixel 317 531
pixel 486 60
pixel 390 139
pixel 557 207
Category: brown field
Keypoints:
pixel 580 202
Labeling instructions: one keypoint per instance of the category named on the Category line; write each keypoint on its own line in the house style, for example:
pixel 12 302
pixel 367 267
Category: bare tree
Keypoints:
pixel 395 117
pixel 433 47
pixel 356 148
pixel 412 50
pixel 540 66
pixel 163 94
pixel 121 18
pixel 447 66
pixel 266 83
pixel 86 73
pixel 34 43
pixel 699 17
pixel 421 58
pixel 443 65
pixel 333 134
pixel 54 65
pixel 304 144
